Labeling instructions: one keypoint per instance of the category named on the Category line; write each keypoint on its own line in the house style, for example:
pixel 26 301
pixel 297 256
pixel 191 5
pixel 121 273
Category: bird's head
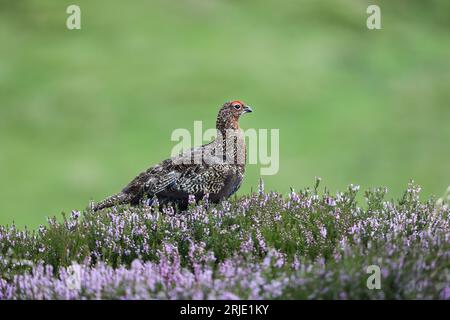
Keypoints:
pixel 229 114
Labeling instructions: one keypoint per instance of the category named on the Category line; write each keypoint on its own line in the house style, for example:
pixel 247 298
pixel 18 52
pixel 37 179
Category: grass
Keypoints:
pixel 307 245
pixel 82 112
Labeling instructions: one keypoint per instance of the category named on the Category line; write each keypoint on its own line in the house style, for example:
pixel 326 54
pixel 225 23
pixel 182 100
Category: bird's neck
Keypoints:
pixel 227 124
pixel 231 143
pixel 227 129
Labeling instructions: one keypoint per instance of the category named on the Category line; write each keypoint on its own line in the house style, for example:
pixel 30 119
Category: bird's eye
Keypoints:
pixel 237 106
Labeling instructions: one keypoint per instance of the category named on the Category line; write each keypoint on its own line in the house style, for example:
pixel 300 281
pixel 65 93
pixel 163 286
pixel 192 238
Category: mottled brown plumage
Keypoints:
pixel 216 169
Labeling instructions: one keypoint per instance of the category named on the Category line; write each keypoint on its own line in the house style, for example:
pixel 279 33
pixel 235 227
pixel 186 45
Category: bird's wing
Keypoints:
pixel 192 172
pixel 195 172
pixel 200 179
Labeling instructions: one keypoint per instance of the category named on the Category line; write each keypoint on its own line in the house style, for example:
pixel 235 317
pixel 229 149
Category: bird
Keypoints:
pixel 215 169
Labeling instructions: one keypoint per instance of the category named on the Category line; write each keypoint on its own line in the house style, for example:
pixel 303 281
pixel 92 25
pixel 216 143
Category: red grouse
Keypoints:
pixel 215 169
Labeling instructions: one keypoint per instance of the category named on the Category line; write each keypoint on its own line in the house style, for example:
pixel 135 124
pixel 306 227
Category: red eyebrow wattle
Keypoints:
pixel 237 102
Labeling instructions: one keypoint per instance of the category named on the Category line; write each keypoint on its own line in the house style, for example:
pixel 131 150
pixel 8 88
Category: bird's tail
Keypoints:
pixel 117 199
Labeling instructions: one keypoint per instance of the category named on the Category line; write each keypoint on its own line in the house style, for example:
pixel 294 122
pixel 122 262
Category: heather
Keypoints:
pixel 308 244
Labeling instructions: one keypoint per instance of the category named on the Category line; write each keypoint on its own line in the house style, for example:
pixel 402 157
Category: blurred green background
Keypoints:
pixel 82 112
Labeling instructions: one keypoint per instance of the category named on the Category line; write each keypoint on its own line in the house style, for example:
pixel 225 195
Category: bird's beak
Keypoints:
pixel 247 109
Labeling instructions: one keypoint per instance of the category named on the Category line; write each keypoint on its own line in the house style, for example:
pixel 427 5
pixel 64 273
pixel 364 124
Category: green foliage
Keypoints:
pixel 82 112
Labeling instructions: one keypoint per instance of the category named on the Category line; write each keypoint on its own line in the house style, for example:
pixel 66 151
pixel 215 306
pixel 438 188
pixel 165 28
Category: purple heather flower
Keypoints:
pixel 75 214
pixel 191 199
pixel 323 232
